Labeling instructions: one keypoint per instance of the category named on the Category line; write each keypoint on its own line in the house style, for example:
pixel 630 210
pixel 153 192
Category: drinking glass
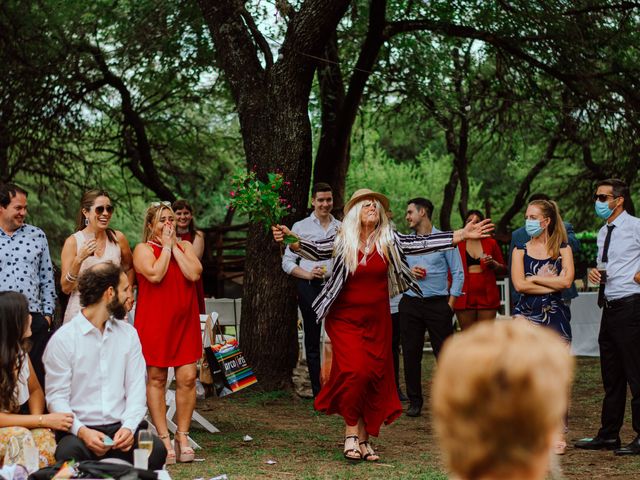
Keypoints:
pixel 145 441
pixel 324 274
pixel 602 268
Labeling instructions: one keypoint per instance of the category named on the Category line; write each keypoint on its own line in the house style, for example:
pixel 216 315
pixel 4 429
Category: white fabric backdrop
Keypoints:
pixel 585 324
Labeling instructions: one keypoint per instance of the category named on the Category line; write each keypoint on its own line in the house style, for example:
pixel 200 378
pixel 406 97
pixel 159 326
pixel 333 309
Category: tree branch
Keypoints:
pixel 258 37
pixel 235 47
pixel 622 6
pixel 507 44
pixel 138 150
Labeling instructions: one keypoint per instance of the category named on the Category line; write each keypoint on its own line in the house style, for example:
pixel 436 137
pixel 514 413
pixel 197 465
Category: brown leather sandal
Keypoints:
pixel 370 454
pixel 351 450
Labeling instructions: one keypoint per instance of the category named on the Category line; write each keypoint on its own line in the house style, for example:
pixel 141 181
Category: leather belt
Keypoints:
pixel 618 302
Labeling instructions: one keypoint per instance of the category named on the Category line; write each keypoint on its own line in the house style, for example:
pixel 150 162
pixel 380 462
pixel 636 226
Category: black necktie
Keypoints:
pixel 605 259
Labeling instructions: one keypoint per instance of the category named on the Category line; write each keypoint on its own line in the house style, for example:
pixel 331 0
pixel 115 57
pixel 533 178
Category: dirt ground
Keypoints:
pixel 305 444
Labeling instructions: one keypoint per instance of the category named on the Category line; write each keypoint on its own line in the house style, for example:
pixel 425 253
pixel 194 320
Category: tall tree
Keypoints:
pixel 272 100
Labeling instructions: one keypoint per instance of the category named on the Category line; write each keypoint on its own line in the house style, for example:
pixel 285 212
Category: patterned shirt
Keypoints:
pixel 25 267
pixel 309 228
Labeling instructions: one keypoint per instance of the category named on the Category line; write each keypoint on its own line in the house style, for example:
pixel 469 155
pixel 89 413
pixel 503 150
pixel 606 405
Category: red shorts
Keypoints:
pixel 480 293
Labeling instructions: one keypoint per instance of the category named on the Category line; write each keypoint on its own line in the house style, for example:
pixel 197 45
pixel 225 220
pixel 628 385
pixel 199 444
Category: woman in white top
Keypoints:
pixel 22 419
pixel 92 243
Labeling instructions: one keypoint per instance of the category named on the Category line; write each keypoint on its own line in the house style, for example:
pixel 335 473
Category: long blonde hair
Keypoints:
pixel 151 217
pixel 348 238
pixel 556 231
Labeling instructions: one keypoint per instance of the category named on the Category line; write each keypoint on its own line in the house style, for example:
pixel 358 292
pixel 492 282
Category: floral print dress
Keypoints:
pixel 547 309
pixel 13 440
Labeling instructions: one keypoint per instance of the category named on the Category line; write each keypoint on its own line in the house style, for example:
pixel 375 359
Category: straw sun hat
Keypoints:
pixel 363 193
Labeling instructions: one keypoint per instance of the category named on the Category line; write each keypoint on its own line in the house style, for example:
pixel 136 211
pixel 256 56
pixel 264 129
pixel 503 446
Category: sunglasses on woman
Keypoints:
pixel 101 208
pixel 602 197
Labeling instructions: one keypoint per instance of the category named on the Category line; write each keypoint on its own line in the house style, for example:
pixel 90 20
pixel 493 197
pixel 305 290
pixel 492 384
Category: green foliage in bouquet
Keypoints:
pixel 260 201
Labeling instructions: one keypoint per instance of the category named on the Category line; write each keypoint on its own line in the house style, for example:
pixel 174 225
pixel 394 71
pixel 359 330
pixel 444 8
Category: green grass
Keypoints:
pixel 308 445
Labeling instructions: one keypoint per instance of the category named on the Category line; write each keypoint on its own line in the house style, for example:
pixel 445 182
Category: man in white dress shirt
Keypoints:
pixel 619 297
pixel 95 369
pixel 310 275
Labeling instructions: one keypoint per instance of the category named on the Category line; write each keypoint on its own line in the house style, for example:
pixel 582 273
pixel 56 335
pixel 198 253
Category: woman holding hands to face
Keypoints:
pixel 168 323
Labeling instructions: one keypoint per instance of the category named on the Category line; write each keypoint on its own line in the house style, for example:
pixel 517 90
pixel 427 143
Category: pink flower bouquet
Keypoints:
pixel 260 201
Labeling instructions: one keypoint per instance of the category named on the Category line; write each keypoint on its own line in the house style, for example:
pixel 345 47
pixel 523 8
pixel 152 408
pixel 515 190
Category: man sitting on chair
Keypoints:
pixel 95 369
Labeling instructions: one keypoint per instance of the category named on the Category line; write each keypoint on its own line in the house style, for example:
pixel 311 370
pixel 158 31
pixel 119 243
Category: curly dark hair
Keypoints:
pixel 14 315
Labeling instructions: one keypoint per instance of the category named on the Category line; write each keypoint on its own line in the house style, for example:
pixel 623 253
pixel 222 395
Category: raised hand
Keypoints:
pixel 87 249
pixel 168 236
pixel 478 230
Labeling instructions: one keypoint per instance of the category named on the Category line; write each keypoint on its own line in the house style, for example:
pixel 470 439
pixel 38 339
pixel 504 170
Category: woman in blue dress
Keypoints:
pixel 540 270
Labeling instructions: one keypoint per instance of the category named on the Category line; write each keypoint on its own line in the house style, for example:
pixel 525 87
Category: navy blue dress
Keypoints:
pixel 548 309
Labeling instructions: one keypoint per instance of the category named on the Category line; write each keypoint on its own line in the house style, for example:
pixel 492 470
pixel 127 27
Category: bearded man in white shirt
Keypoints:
pixel 95 369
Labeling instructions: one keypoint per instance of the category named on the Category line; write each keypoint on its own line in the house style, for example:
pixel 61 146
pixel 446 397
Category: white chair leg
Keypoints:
pixel 210 427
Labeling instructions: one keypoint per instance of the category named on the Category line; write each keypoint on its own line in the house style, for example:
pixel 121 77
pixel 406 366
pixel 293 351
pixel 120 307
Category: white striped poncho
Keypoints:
pixel 400 277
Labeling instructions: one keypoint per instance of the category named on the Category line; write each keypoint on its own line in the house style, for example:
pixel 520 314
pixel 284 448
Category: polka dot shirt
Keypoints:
pixel 25 267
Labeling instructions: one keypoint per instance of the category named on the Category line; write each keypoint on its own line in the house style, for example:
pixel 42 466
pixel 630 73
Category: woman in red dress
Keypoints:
pixel 186 230
pixel 369 266
pixel 482 260
pixel 168 323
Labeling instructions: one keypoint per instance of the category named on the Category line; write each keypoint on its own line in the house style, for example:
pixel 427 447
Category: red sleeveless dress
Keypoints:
pixel 167 318
pixel 361 382
pixel 199 286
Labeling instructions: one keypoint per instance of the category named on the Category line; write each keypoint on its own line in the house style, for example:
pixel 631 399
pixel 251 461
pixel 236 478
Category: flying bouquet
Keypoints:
pixel 260 201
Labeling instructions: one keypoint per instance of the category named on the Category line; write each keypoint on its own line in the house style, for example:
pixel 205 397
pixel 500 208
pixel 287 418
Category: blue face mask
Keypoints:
pixel 603 210
pixel 533 228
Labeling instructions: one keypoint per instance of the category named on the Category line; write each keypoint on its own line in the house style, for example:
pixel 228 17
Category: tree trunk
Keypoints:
pixel 462 166
pixel 269 309
pixel 272 101
pixel 329 168
pixel 333 157
pixel 448 199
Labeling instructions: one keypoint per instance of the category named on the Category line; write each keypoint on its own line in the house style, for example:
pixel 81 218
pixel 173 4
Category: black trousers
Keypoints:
pixel 70 446
pixel 307 293
pixel 40 334
pixel 418 315
pixel 395 345
pixel 619 342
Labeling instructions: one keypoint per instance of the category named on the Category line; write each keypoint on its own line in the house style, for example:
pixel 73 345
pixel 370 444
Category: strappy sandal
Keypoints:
pixel 171 453
pixel 370 454
pixel 353 452
pixel 183 454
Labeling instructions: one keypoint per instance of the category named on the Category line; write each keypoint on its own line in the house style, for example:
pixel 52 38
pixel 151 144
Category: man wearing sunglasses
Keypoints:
pixel 619 297
pixel 25 267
